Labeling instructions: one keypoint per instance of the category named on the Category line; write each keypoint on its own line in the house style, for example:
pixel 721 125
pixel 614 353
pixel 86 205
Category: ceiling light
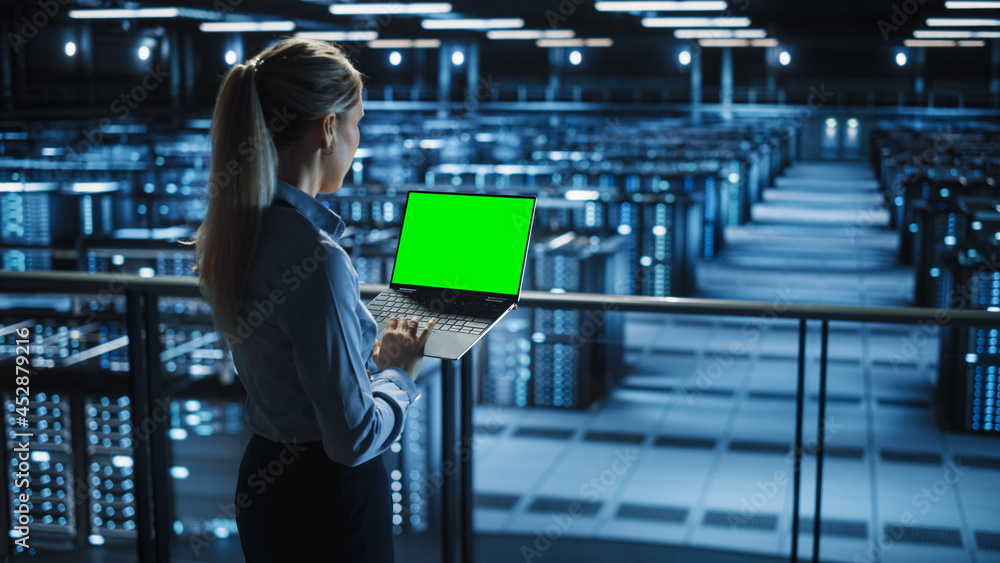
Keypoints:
pixel 738 42
pixel 703 33
pixel 933 34
pixel 122 14
pixel 529 34
pixel 959 5
pixel 339 35
pixel 970 22
pixel 578 42
pixel 954 34
pixel 720 33
pixel 724 42
pixel 498 23
pixel 929 43
pixel 212 27
pixel 404 44
pixel 390 8
pixel 682 6
pixel 695 22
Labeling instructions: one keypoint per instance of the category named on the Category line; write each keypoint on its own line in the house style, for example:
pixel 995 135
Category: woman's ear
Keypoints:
pixel 329 127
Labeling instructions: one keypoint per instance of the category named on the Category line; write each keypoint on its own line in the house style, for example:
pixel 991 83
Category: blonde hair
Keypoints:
pixel 262 110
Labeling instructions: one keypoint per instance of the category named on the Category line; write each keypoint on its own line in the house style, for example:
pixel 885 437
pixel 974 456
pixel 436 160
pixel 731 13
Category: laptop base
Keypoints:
pixel 454 333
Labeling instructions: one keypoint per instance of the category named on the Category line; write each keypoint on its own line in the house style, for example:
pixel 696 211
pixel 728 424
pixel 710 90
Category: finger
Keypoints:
pixel 391 324
pixel 427 331
pixel 376 348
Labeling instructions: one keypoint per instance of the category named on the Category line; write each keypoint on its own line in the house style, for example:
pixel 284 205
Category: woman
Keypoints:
pixel 324 398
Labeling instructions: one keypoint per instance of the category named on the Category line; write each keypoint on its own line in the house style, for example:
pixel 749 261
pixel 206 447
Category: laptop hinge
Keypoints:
pixel 405 290
pixel 495 299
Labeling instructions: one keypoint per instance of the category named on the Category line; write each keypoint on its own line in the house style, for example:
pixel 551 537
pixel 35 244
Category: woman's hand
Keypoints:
pixel 401 347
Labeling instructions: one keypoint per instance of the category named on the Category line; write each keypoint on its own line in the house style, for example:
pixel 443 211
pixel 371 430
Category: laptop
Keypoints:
pixel 460 260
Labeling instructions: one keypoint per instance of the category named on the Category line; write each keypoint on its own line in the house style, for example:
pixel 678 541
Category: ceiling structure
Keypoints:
pixel 851 43
pixel 802 23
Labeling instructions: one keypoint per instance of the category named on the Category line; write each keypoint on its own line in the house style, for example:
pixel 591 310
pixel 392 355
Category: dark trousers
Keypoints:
pixel 296 504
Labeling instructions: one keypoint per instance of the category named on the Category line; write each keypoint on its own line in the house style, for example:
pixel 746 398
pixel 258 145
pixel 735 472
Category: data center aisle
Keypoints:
pixel 693 448
pixel 820 236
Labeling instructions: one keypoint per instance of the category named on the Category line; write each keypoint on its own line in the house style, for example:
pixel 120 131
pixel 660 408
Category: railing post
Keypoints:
pixel 157 438
pixel 797 446
pixel 142 461
pixel 456 461
pixel 821 430
pixel 451 478
pixel 465 462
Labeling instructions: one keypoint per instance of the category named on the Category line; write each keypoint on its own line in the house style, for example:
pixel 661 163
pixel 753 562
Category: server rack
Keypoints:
pixel 667 237
pixel 560 358
pixel 970 358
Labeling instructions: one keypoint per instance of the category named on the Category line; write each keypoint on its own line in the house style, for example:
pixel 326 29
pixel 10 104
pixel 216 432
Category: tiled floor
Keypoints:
pixel 693 448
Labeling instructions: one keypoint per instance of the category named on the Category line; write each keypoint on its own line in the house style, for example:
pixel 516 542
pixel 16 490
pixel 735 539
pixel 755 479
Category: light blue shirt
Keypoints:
pixel 303 347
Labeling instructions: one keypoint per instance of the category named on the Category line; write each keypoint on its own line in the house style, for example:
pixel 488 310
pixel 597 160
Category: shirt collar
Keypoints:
pixel 318 214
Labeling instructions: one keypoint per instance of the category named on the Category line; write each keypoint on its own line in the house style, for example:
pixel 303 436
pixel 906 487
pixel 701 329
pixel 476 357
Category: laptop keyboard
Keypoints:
pixel 474 319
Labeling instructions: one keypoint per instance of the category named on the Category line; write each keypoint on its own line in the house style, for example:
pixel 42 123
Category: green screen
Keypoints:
pixel 461 241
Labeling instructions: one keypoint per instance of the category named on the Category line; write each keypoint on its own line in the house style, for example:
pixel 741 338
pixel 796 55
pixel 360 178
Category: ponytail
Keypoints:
pixel 240 189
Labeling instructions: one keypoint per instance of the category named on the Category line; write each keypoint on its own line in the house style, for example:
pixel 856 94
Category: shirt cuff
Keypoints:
pixel 400 379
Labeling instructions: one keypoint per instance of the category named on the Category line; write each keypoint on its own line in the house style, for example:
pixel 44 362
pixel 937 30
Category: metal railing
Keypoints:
pixel 680 93
pixel 152 481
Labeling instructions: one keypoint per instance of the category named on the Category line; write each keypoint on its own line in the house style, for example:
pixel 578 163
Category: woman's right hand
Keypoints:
pixel 401 346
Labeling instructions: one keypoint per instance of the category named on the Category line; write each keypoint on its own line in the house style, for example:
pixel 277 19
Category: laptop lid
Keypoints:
pixel 473 244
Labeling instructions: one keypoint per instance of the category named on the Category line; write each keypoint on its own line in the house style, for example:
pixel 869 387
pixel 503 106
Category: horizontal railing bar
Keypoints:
pixel 43 281
pixel 76 282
